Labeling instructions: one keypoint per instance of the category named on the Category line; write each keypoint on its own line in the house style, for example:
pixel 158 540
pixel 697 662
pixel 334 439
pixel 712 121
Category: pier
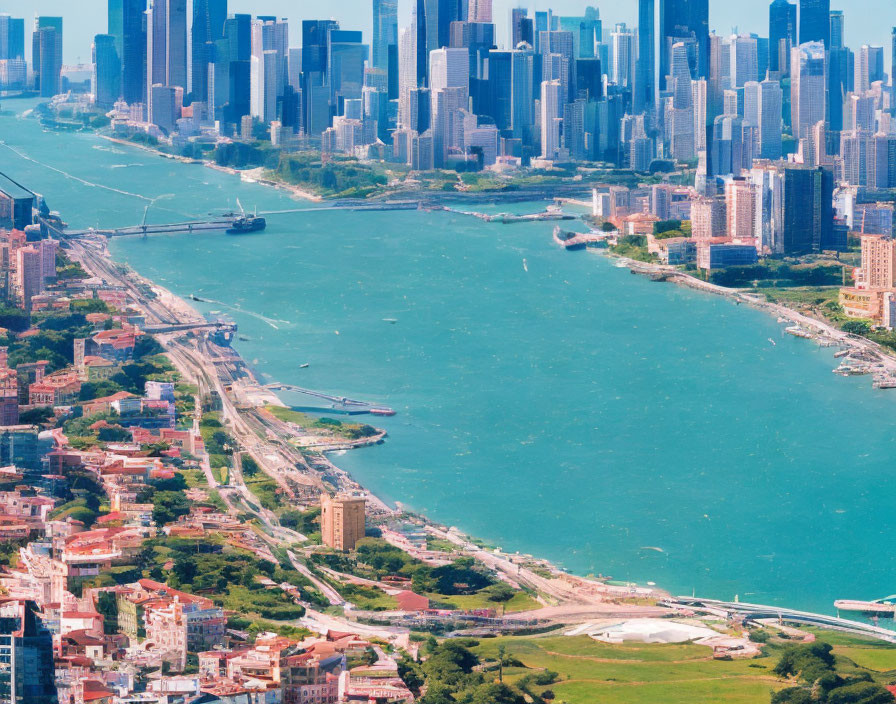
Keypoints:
pixel 759 612
pixel 168 228
pixel 341 404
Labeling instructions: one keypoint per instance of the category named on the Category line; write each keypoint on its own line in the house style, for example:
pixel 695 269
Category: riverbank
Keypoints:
pixel 819 331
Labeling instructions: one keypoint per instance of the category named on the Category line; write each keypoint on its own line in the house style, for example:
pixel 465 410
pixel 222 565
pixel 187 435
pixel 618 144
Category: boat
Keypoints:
pixel 382 411
pixel 391 321
pixel 194 297
pixel 242 338
pixel 774 344
pixel 246 223
pixel 304 366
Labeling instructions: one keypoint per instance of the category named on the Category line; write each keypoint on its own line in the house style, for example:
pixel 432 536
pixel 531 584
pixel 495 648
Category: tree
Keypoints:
pixel 860 693
pixel 498 693
pixel 856 327
pixel 792 695
pixel 168 505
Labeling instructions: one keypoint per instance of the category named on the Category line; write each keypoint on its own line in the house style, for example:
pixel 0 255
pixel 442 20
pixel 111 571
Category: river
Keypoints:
pixel 548 402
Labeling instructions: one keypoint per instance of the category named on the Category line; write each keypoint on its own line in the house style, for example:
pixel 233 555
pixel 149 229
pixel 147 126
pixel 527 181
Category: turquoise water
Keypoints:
pixel 573 410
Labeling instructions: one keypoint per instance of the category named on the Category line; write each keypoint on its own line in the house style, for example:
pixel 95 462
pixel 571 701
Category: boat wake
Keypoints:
pixel 85 182
pixel 270 321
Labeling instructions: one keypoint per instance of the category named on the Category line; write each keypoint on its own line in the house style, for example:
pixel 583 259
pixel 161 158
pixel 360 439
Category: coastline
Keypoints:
pixel 821 332
pixel 682 279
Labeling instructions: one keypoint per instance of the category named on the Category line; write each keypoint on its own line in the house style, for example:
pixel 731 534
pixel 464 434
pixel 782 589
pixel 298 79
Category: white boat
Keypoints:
pixel 774 344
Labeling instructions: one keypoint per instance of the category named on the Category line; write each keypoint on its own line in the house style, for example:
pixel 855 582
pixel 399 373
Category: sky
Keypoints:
pixel 867 21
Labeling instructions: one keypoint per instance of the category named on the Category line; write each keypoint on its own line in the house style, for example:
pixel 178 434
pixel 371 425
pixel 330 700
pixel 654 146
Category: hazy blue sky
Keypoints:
pixel 867 21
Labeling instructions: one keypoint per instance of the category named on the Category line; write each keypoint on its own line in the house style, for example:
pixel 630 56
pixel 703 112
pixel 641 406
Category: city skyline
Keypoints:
pixel 861 17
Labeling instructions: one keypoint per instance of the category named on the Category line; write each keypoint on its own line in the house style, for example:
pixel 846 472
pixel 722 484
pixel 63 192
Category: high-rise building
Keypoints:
pixel 385 32
pixel 166 60
pixel 126 24
pixel 26 652
pixel 808 209
pixel 46 55
pixel 740 206
pixel 551 118
pixel 688 21
pixel 522 29
pixel 838 29
pixel 782 34
pixel 744 56
pixel 207 28
pixel 708 218
pixel 342 522
pixel 106 71
pixel 479 11
pixel 878 270
pixel 622 71
pixel 869 67
pixel 808 87
pixel 29 274
pixel 12 38
pixel 644 96
pixel 815 22
pixel 893 72
pixel 762 108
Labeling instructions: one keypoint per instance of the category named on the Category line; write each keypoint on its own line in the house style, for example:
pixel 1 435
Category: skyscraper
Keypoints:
pixel 385 32
pixel 762 109
pixel 166 47
pixel 815 22
pixel 808 87
pixel 781 34
pixel 869 67
pixel 106 71
pixel 551 120
pixel 208 27
pixel 893 72
pixel 623 68
pixel 126 25
pixel 46 55
pixel 12 37
pixel 684 20
pixel 479 11
pixel 838 29
pixel 522 28
pixel 808 209
pixel 645 72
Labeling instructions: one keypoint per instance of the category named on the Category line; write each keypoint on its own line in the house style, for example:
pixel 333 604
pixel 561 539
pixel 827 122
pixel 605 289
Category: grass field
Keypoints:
pixel 590 671
pixel 520 602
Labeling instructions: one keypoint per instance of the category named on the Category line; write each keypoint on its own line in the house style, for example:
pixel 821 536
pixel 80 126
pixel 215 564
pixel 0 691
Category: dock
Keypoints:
pixel 877 608
pixel 578 240
pixel 340 404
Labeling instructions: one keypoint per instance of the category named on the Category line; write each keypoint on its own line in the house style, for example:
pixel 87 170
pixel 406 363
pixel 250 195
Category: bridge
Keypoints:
pixel 337 403
pixel 756 612
pixel 162 229
pixel 186 327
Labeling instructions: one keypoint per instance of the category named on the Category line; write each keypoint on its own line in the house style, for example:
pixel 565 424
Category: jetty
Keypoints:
pixel 575 240
pixel 340 404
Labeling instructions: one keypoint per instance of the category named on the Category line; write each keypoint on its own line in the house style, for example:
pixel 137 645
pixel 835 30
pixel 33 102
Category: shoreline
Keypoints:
pixel 676 276
pixel 821 332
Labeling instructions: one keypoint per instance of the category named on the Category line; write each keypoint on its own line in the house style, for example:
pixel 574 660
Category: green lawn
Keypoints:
pixel 521 601
pixel 590 671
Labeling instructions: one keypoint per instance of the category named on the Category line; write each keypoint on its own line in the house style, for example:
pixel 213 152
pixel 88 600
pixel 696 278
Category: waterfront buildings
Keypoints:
pixel 342 520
